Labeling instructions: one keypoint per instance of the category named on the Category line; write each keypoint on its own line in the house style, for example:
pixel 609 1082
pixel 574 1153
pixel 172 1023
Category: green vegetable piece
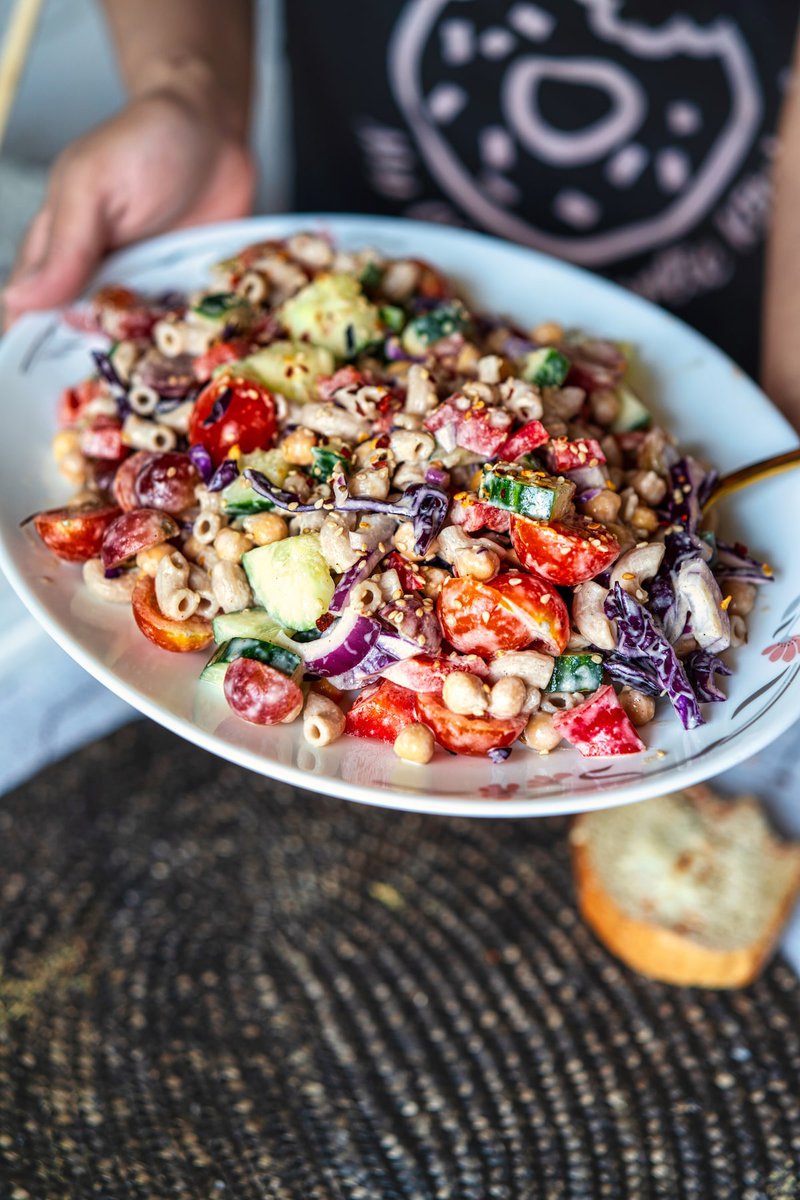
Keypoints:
pixel 576 673
pixel 285 661
pixel 290 369
pixel 547 367
pixel 525 491
pixel 333 312
pixel 394 318
pixel 247 623
pixel 430 327
pixel 291 580
pixel 239 499
pixel 632 413
pixel 371 276
pixel 326 460
pixel 218 304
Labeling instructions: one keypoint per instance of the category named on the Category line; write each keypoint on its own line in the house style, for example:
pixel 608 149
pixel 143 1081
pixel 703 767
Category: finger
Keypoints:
pixel 76 241
pixel 34 244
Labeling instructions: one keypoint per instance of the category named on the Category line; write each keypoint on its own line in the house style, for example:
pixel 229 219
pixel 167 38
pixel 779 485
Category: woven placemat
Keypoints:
pixel 215 986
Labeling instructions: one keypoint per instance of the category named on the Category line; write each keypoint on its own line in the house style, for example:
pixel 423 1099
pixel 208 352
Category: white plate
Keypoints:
pixel 714 408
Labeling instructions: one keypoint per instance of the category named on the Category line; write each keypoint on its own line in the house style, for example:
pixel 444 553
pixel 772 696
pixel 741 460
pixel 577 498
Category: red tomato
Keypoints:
pixel 133 531
pixel 427 672
pixel 245 417
pixel 180 637
pixel 75 534
pixel 566 552
pixel 103 438
pixel 599 727
pixel 509 613
pixel 524 441
pixel 382 713
pixel 473 514
pixel 345 377
pixel 217 356
pixel 410 578
pixel 431 283
pixel 260 694
pixel 477 428
pixel 467 735
pixel 74 401
pixel 566 455
pixel 122 313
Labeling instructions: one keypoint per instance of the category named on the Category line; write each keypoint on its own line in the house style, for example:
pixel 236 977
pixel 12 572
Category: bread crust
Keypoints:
pixel 662 953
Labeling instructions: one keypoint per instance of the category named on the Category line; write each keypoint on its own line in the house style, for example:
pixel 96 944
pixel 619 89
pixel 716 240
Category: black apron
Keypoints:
pixel 632 138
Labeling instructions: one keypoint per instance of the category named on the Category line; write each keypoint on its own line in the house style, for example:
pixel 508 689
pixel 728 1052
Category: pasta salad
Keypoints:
pixel 388 515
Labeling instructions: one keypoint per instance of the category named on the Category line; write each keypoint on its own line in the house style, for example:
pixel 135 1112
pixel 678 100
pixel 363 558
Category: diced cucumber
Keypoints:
pixel 218 305
pixel 334 313
pixel 247 623
pixel 326 460
pixel 291 580
pixel 371 275
pixel 529 493
pixel 239 499
pixel 632 413
pixel 546 367
pixel 576 673
pixel 290 369
pixel 280 659
pixel 394 318
pixel 430 327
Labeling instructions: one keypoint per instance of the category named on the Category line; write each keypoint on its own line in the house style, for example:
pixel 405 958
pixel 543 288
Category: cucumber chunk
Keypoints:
pixel 326 460
pixel 525 491
pixel 430 327
pixel 576 673
pixel 247 623
pixel 239 499
pixel 290 369
pixel 632 413
pixel 273 656
pixel 291 580
pixel 547 367
pixel 218 305
pixel 334 313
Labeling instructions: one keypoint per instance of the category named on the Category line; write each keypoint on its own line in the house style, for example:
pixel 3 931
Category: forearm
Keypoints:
pixel 200 51
pixel 781 356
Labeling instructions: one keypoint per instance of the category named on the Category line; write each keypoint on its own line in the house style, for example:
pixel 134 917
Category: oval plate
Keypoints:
pixel 712 406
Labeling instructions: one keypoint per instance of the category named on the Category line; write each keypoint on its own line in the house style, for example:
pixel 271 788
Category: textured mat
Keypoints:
pixel 213 986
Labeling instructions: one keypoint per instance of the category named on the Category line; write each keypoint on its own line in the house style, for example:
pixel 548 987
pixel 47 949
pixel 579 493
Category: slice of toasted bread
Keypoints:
pixel 688 888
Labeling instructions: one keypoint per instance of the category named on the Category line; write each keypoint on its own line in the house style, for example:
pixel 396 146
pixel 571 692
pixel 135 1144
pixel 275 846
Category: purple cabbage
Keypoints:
pixel 701 666
pixel 690 484
pixel 636 673
pixel 109 372
pixel 202 461
pixel 679 547
pixel 424 505
pixel 219 408
pixel 499 754
pixel 360 571
pixel 637 638
pixel 733 562
pixel 224 475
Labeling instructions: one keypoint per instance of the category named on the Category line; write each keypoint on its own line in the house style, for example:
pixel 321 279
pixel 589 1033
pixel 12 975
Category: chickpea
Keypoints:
pixel 548 332
pixel 296 447
pixel 743 597
pixel 65 442
pixel 603 508
pixel 231 545
pixel 640 708
pixel 539 733
pixel 415 744
pixel 479 563
pixel 148 560
pixel 266 528
pixel 604 404
pixel 644 518
pixel 464 693
pixel 649 486
pixel 507 697
pixel 74 467
pixel 434 580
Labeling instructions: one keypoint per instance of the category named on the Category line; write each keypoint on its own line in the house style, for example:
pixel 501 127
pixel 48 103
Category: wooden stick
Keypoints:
pixel 14 55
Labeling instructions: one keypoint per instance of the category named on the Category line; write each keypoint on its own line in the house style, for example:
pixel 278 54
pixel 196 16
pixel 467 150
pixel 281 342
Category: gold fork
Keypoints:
pixel 754 473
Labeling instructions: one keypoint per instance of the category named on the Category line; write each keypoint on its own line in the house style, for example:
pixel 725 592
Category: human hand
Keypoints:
pixel 160 164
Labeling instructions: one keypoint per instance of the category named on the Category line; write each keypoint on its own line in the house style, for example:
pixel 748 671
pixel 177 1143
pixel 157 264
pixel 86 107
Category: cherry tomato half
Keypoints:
pixel 75 534
pixel 260 694
pixel 233 411
pixel 510 613
pixel 178 636
pixel 467 735
pixel 566 552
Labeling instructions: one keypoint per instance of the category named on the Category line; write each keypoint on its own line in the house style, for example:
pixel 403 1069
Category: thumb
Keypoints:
pixel 75 244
